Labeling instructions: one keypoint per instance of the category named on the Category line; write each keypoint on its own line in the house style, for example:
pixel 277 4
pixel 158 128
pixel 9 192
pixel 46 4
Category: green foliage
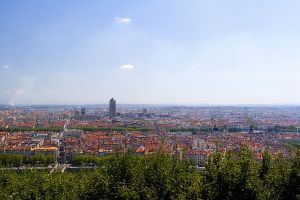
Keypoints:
pixel 280 128
pixel 122 176
pixel 117 128
pixel 240 176
pixel 15 160
pixel 293 188
pixel 231 175
pixel 22 129
pixel 274 176
pixel 265 165
pixel 291 145
pixel 204 129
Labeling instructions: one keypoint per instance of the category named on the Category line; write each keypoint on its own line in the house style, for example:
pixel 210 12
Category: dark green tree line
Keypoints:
pixel 231 175
pixel 15 160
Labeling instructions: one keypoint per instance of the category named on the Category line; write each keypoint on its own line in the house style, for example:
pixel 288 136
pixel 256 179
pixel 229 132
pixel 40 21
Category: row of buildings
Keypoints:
pixel 71 143
pixel 174 129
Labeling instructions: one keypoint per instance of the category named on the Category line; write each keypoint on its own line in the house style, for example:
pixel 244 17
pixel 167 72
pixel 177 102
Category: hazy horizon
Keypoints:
pixel 164 105
pixel 171 52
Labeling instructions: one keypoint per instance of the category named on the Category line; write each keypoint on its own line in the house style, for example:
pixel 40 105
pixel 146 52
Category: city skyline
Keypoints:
pixel 160 99
pixel 187 53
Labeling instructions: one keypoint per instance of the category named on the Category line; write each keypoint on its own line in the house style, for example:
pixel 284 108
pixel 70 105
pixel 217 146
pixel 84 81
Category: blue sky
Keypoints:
pixel 170 51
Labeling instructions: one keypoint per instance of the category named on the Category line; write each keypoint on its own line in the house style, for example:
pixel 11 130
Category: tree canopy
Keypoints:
pixel 231 175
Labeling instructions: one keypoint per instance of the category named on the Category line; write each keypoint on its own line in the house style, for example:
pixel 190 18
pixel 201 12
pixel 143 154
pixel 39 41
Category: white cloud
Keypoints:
pixel 8 92
pixel 123 20
pixel 5 67
pixel 127 67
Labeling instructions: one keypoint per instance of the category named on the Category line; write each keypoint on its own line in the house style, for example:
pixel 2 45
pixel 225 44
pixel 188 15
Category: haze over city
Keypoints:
pixel 157 100
pixel 150 52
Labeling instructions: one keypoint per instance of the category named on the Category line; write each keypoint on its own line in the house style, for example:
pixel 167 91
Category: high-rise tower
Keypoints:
pixel 82 111
pixel 112 108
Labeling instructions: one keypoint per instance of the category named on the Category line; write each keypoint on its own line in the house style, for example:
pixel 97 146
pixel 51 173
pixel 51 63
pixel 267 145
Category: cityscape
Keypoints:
pixel 149 100
pixel 100 130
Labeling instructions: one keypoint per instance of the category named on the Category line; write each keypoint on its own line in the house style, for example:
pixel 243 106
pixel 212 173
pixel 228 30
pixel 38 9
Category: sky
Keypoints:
pixel 150 52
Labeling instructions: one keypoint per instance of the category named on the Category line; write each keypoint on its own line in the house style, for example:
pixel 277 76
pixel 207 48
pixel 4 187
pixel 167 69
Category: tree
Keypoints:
pixel 293 186
pixel 265 164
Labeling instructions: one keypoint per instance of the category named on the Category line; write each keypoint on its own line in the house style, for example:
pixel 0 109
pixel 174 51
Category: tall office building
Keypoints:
pixel 112 108
pixel 82 111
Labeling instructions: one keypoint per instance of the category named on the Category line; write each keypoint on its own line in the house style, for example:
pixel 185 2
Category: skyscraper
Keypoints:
pixel 82 111
pixel 112 108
